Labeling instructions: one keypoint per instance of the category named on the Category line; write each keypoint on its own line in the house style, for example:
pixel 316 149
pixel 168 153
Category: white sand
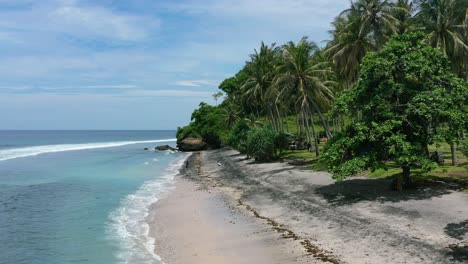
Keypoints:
pixel 286 212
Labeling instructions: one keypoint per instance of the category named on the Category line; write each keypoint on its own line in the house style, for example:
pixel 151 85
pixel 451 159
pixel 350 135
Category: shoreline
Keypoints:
pixel 197 224
pixel 309 216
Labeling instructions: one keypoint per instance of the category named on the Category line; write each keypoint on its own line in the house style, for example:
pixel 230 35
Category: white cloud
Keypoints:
pixel 196 83
pixel 79 20
pixel 16 87
pixel 98 21
pixel 110 86
pixel 168 93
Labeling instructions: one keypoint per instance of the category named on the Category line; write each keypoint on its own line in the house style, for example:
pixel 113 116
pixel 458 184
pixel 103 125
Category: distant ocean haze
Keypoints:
pixel 81 196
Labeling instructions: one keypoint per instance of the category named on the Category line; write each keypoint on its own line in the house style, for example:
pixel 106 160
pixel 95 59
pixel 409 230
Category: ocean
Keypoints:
pixel 81 196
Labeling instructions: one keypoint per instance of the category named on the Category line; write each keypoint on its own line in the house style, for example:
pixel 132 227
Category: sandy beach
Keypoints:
pixel 227 209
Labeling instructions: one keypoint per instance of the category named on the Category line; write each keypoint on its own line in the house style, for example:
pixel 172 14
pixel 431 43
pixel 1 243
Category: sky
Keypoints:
pixel 139 64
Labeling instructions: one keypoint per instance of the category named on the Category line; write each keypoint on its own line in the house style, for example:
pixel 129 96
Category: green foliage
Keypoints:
pixel 405 93
pixel 464 145
pixel 264 144
pixel 238 136
pixel 186 132
pixel 207 123
pixel 231 86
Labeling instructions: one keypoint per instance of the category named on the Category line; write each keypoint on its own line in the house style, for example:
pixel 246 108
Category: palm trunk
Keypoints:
pixel 280 127
pixel 317 150
pixel 454 154
pixel 306 123
pixel 324 121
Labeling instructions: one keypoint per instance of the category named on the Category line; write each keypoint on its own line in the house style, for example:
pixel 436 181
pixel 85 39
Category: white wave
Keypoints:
pixel 128 222
pixel 7 154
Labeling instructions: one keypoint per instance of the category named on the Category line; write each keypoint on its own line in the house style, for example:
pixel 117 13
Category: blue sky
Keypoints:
pixel 140 64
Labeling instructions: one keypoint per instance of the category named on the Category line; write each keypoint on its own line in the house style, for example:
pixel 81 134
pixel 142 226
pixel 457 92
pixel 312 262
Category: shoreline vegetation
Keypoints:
pixel 387 96
pixel 372 128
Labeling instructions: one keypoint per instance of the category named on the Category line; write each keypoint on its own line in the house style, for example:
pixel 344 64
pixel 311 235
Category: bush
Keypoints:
pixel 238 136
pixel 207 124
pixel 186 132
pixel 264 144
pixel 464 149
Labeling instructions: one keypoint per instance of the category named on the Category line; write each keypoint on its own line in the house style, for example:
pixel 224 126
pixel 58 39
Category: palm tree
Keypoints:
pixel 402 11
pixel 364 27
pixel 299 77
pixel 351 41
pixel 376 18
pixel 446 23
pixel 260 70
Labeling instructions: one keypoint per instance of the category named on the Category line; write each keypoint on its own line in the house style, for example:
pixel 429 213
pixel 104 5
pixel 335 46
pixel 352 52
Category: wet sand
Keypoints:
pixel 243 212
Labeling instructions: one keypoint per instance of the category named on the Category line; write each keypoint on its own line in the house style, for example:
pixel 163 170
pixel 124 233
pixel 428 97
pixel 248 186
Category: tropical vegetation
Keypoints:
pixel 390 83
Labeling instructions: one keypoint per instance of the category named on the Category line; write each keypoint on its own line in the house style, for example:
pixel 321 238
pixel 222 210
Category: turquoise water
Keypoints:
pixel 81 196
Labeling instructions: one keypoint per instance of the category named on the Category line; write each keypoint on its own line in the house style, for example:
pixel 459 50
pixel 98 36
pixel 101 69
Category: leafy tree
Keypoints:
pixel 217 96
pixel 238 136
pixel 405 92
pixel 207 123
pixel 264 144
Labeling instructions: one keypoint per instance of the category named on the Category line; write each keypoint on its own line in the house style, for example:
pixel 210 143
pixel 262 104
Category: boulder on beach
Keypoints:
pixel 164 147
pixel 191 144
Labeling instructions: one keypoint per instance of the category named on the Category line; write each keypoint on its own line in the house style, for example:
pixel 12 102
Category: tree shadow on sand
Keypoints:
pixel 457 230
pixel 357 190
pixel 458 253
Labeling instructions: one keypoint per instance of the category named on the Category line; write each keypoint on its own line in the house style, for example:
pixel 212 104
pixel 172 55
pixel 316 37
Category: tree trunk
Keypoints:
pixel 334 125
pixel 317 150
pixel 406 175
pixel 324 121
pixel 426 151
pixel 454 154
pixel 306 124
pixel 298 124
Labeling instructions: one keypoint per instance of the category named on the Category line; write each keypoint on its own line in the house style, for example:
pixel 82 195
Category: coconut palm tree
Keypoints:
pixel 402 11
pixel 350 42
pixel 260 70
pixel 446 23
pixel 363 27
pixel 376 18
pixel 305 81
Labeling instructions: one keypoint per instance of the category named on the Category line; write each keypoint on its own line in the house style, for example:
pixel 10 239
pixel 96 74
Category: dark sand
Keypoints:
pixel 242 212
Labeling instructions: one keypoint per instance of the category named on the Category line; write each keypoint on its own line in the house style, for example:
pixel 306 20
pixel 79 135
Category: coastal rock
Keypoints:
pixel 165 147
pixel 191 144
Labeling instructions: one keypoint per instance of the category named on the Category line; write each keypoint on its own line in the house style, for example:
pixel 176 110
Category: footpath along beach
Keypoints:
pixel 227 209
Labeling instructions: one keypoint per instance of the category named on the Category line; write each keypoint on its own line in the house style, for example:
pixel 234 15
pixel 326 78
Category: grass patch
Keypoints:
pixel 312 162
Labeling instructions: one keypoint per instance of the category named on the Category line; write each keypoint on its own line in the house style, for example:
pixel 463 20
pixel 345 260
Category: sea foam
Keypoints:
pixel 14 153
pixel 128 223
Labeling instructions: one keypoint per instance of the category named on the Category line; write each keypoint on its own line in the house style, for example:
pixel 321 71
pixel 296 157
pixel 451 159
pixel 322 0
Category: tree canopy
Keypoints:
pixel 405 93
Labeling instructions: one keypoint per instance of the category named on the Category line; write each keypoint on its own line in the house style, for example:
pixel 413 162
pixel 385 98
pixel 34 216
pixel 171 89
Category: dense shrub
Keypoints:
pixel 464 149
pixel 186 132
pixel 238 136
pixel 207 124
pixel 264 144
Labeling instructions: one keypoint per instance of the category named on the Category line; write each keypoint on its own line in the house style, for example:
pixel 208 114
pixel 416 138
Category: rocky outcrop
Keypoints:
pixel 191 144
pixel 164 147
